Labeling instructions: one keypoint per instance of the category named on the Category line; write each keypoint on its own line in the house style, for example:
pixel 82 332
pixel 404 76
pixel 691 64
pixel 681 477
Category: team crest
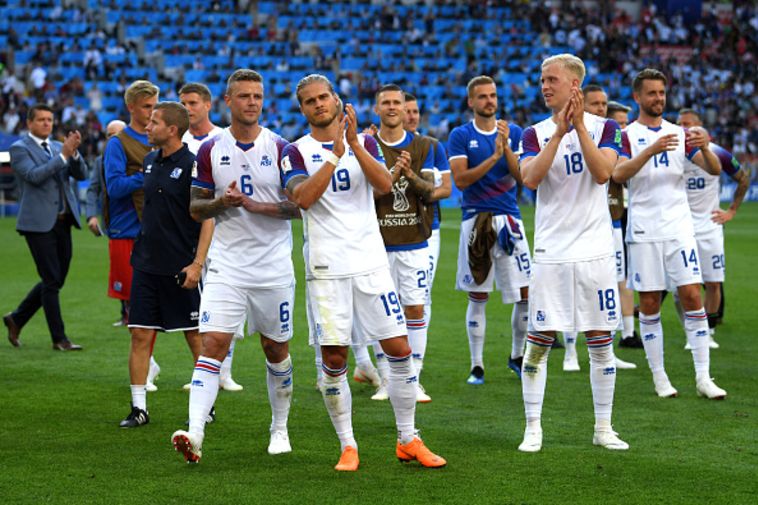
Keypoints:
pixel 149 168
pixel 540 316
pixel 176 173
pixel 473 144
pixel 226 160
pixel 265 161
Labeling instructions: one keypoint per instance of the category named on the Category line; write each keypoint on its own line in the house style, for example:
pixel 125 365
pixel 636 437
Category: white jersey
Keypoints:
pixel 248 250
pixel 572 221
pixel 194 143
pixel 658 208
pixel 342 237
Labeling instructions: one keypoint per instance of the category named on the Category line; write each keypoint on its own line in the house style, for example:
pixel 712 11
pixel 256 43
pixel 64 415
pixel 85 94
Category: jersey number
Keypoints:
pixel 246 184
pixel 574 164
pixel 391 303
pixel 522 261
pixel 607 299
pixel 341 180
pixel 661 159
pixel 696 183
pixel 718 261
pixel 692 258
pixel 284 313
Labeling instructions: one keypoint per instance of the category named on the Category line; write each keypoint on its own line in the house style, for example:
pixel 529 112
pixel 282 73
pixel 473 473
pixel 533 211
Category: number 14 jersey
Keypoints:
pixel 572 221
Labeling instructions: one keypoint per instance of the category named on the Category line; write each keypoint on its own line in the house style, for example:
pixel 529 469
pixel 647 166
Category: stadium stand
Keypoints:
pixel 84 52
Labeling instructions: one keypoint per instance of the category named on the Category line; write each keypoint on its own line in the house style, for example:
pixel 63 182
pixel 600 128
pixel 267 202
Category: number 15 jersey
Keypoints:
pixel 248 250
pixel 572 221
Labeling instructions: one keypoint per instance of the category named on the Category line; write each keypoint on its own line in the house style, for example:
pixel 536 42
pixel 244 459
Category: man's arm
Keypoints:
pixel 443 190
pixel 23 164
pixel 698 138
pixel 195 269
pixel 77 167
pixel 376 172
pixel 117 183
pixel 422 184
pixel 465 176
pixel 535 167
pixel 203 206
pixel 743 183
pixel 600 160
pixel 279 210
pixel 628 168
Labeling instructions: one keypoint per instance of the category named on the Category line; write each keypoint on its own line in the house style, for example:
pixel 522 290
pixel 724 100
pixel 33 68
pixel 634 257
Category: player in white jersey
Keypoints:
pixel 660 233
pixel 703 197
pixel 197 99
pixel 332 174
pixel 568 158
pixel 250 274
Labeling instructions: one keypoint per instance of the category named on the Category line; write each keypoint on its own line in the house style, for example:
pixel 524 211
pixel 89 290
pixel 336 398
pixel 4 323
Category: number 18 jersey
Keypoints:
pixel 248 250
pixel 572 221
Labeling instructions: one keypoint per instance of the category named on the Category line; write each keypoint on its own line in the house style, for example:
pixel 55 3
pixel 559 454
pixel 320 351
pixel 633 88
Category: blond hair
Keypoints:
pixel 569 62
pixel 140 89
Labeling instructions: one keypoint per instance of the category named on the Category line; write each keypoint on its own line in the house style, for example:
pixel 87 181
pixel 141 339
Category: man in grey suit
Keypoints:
pixel 47 210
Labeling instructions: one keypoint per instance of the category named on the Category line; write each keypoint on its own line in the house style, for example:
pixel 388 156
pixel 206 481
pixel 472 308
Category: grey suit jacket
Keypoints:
pixel 94 201
pixel 40 180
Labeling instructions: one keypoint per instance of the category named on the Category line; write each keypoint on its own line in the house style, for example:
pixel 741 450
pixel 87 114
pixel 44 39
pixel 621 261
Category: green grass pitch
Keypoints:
pixel 59 413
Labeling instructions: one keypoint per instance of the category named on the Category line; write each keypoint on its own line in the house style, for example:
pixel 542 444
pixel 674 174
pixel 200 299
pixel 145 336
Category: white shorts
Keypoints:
pixel 223 308
pixel 656 266
pixel 410 273
pixel 353 309
pixel 580 296
pixel 710 249
pixel 434 257
pixel 618 243
pixel 510 273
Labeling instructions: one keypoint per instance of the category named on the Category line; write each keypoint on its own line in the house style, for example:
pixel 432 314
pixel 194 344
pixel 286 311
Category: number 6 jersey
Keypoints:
pixel 572 221
pixel 248 250
pixel 658 208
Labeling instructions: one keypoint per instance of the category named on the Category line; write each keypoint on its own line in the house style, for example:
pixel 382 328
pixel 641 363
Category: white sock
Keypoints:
pixel 628 326
pixel 339 404
pixel 279 382
pixel 153 363
pixel 678 306
pixel 417 338
pixel 362 356
pixel 534 375
pixel 651 332
pixel 382 366
pixel 203 392
pixel 696 328
pixel 602 377
pixel 428 314
pixel 402 392
pixel 569 340
pixel 226 365
pixel 519 322
pixel 476 327
pixel 317 360
pixel 139 396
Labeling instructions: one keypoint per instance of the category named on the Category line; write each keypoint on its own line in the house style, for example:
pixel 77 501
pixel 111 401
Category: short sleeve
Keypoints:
pixel 202 173
pixel 292 164
pixel 514 136
pixel 611 136
pixel 373 149
pixel 530 145
pixel 457 144
pixel 626 148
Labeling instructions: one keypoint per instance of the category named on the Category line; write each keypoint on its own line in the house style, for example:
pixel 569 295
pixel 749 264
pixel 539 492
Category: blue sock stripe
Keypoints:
pixel 600 341
pixel 652 320
pixel 395 359
pixel 696 315
pixel 332 372
pixel 477 300
pixel 278 373
pixel 204 366
pixel 540 339
pixel 380 355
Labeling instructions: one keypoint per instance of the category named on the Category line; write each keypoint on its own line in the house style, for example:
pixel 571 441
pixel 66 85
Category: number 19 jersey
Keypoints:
pixel 342 237
pixel 572 221
pixel 248 250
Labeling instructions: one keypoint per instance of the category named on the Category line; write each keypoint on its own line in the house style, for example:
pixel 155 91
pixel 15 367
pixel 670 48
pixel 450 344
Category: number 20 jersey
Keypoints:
pixel 248 250
pixel 342 237
pixel 572 221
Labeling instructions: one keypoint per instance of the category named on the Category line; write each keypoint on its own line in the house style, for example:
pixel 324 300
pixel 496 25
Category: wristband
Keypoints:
pixel 333 159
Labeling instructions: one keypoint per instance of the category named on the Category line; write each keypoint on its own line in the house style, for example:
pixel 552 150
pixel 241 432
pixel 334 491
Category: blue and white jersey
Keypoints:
pixel 342 237
pixel 572 222
pixel 194 142
pixel 248 250
pixel 658 208
pixel 703 190
pixel 496 191
pixel 441 166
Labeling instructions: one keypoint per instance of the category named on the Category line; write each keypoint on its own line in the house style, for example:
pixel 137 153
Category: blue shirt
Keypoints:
pixel 123 220
pixel 496 191
pixel 442 164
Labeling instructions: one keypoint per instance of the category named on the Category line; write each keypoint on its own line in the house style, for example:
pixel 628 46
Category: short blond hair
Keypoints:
pixel 570 62
pixel 140 89
pixel 479 80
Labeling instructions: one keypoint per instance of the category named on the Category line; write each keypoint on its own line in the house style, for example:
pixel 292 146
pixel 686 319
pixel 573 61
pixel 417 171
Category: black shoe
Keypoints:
pixel 136 418
pixel 208 420
pixel 476 377
pixel 557 344
pixel 515 365
pixel 633 342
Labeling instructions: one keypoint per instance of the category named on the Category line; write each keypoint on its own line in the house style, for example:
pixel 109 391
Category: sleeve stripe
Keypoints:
pixel 202 184
pixel 458 156
pixel 528 154
pixel 293 173
pixel 693 153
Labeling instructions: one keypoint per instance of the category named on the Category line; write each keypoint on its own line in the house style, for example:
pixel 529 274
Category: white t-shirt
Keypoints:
pixel 248 250
pixel 194 143
pixel 572 221
pixel 658 208
pixel 342 237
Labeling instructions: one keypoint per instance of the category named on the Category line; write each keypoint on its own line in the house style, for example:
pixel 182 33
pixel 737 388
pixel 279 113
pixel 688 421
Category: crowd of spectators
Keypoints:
pixel 430 48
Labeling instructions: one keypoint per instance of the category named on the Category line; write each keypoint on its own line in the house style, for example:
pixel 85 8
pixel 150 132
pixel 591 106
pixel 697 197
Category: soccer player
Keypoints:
pixel 708 218
pixel 332 174
pixel 484 163
pixel 568 158
pixel 251 274
pixel 197 99
pixel 404 222
pixel 660 232
pixel 619 113
pixel 163 296
pixel 443 186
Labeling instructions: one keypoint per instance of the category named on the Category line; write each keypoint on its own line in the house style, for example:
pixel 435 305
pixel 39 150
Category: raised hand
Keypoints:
pixel 403 165
pixel 71 143
pixel 232 196
pixel 352 124
pixel 577 116
pixel 698 137
pixel 664 143
pixel 338 148
pixel 503 134
pixel 563 122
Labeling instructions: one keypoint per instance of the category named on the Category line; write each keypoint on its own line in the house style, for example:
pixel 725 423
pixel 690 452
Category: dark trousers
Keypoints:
pixel 52 255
